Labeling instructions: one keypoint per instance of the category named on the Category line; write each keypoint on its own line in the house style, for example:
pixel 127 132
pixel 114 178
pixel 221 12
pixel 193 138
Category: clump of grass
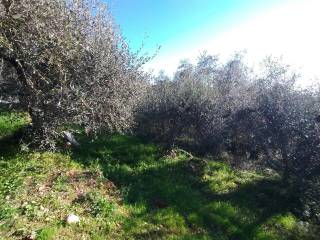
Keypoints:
pixel 282 226
pixel 47 233
pixel 222 179
pixel 11 122
pixel 98 205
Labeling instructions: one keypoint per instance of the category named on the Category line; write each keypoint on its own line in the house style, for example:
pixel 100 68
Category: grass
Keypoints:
pixel 11 121
pixel 123 187
pixel 39 190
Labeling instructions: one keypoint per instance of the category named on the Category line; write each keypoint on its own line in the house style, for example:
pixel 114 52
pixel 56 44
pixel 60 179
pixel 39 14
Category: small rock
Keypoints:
pixel 43 209
pixel 306 213
pixel 33 235
pixel 70 139
pixel 71 219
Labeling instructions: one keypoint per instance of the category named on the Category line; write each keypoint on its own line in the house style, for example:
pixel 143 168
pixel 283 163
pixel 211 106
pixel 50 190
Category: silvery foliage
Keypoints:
pixel 259 118
pixel 193 105
pixel 72 66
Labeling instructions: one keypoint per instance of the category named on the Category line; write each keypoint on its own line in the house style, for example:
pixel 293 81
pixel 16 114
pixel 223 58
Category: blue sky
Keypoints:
pixel 184 29
pixel 171 22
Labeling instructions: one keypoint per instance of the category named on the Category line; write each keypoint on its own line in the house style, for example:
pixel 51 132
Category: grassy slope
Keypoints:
pixel 125 188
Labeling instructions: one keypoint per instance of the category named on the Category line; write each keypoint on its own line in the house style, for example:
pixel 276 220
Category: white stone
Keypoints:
pixel 71 219
pixel 32 236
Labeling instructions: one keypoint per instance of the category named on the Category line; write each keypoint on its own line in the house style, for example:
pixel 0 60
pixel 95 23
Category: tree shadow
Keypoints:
pixel 171 187
pixel 12 127
pixel 10 145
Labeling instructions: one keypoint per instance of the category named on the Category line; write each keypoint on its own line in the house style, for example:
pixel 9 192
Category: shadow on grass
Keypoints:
pixel 10 145
pixel 170 199
pixel 12 125
pixel 169 196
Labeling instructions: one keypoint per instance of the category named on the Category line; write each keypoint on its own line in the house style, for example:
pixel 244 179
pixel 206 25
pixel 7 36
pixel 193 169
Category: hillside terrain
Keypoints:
pixel 122 187
pixel 95 146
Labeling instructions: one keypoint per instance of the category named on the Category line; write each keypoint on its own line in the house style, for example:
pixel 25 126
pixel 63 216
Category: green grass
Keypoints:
pixel 11 121
pixel 123 187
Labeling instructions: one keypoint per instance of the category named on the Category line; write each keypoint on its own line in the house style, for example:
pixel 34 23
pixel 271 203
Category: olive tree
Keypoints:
pixel 189 110
pixel 261 119
pixel 281 131
pixel 72 66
